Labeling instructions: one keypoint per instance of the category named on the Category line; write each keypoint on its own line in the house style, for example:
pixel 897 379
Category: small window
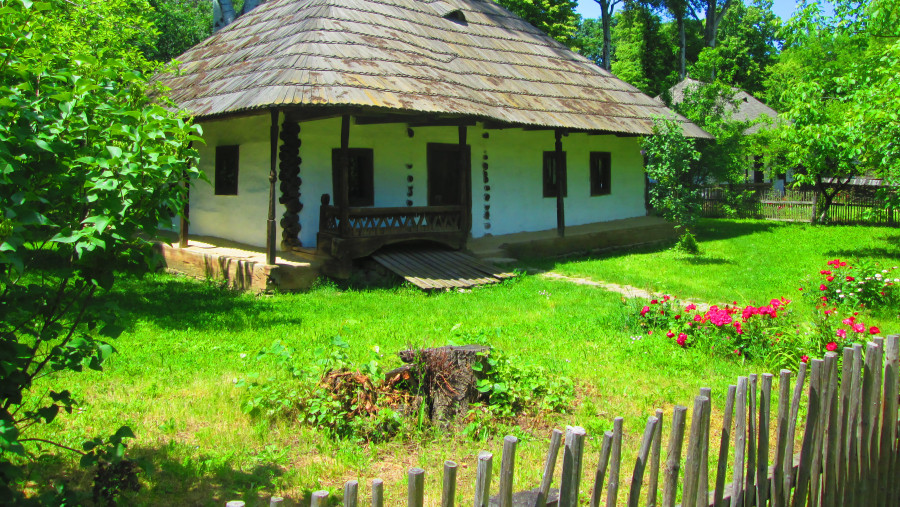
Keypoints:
pixel 601 173
pixel 550 174
pixel 227 170
pixel 360 176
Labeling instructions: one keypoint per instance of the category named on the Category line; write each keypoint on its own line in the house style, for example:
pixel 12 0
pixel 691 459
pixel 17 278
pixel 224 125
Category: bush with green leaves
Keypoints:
pixel 90 169
pixel 675 192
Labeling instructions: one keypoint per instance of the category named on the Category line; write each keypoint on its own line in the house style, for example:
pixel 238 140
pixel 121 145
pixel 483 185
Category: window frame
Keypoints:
pixel 227 170
pixel 366 197
pixel 600 173
pixel 549 160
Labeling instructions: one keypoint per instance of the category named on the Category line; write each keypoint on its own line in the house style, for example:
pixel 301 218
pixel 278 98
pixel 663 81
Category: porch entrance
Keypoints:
pixel 447 174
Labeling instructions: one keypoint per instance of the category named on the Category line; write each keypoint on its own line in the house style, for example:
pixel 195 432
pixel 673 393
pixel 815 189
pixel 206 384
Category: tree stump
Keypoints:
pixel 444 375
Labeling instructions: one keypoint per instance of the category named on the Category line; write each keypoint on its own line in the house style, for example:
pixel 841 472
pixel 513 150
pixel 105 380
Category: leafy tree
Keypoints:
pixel 556 18
pixel 181 25
pixel 836 84
pixel 89 169
pixel 747 45
pixel 670 166
pixel 606 16
pixel 588 40
pixel 711 106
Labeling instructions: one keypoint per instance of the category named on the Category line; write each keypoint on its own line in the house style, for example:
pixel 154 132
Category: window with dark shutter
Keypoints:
pixel 601 172
pixel 550 174
pixel 226 182
pixel 361 176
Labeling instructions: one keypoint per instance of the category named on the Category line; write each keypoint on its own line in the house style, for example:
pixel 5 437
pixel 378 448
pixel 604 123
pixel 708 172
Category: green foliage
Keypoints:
pixel 556 18
pixel 746 45
pixel 89 170
pixel 688 244
pixel 836 84
pixel 514 387
pixel 588 39
pixel 181 24
pixel 675 193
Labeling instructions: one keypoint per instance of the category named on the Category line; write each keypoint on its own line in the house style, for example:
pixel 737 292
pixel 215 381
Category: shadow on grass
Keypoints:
pixel 169 479
pixel 706 261
pixel 714 229
pixel 176 303
pixel 877 253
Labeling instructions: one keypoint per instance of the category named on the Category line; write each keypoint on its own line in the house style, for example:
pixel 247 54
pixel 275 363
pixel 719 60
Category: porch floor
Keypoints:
pixel 615 234
pixel 242 266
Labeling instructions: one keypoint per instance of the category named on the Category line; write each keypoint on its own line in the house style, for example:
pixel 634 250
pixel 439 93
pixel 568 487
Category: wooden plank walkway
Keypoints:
pixel 431 268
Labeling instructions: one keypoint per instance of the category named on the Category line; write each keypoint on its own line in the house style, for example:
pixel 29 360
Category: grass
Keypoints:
pixel 187 342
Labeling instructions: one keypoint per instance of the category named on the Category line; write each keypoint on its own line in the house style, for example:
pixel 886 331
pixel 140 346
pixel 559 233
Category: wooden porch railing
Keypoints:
pixel 374 222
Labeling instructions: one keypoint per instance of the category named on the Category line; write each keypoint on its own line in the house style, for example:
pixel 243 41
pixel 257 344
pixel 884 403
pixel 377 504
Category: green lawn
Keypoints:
pixel 187 342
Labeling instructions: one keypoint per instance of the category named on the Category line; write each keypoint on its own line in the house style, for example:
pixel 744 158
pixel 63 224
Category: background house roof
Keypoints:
pixel 748 107
pixel 468 58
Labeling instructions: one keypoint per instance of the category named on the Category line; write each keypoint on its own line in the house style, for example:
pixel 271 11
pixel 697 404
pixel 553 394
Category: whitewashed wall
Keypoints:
pixel 240 217
pixel 514 167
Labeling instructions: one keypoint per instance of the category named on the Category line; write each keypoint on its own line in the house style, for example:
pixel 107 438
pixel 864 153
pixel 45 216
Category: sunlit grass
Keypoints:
pixel 186 343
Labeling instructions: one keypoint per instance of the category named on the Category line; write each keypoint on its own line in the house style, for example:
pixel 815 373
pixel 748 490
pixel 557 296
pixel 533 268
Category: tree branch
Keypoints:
pixel 52 443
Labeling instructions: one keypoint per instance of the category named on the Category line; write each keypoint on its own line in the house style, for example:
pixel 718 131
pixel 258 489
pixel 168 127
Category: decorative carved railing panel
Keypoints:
pixel 374 222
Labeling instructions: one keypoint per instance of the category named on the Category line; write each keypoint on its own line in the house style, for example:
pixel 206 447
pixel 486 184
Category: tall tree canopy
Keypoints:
pixel 557 18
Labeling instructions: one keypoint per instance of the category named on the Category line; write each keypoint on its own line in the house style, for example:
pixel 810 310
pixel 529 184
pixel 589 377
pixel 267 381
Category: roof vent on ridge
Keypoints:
pixel 451 12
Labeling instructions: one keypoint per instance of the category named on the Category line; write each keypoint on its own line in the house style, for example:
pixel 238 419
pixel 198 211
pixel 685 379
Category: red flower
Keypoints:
pixel 682 339
pixel 690 307
pixel 670 334
pixel 804 358
pixel 842 333
pixel 644 310
pixel 859 328
pixel 850 278
pixel 831 347
pixel 874 330
pixel 824 272
pixel 654 301
pixel 823 287
pixel 829 278
pixel 677 316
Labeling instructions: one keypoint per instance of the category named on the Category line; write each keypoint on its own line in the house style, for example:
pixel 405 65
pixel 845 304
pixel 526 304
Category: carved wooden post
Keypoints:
pixel 273 176
pixel 560 169
pixel 343 193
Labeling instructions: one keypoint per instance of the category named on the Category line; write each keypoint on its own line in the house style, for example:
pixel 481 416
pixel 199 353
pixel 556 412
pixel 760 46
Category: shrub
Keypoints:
pixel 860 284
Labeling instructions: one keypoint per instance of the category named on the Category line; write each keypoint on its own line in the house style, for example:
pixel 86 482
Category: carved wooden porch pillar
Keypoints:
pixel 273 177
pixel 560 167
pixel 186 209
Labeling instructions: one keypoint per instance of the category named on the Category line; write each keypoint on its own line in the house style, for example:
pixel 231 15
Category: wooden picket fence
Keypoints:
pixel 854 206
pixel 848 451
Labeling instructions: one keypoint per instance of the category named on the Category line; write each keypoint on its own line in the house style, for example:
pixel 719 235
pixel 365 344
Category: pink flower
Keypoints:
pixel 848 321
pixel 644 310
pixel 831 346
pixel 804 358
pixel 823 287
pixel 682 339
pixel 670 334
pixel 842 333
pixel 698 318
pixel 874 330
pixel 650 332
pixel 859 328
pixel 690 307
pixel 830 278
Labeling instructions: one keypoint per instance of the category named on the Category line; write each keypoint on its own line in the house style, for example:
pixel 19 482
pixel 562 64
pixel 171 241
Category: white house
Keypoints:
pixel 339 125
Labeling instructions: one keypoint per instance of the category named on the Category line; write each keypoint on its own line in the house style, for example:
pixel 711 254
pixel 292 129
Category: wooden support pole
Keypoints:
pixel 448 493
pixel 465 184
pixel 889 419
pixel 640 464
pixel 762 458
pixel 343 191
pixel 351 493
pixel 573 455
pixel 740 444
pixel 724 443
pixel 788 464
pixel 549 465
pixel 319 498
pixel 377 493
pixel 612 487
pixel 273 177
pixel 694 452
pixel 507 468
pixel 483 479
pixel 415 495
pixel 602 464
pixel 655 456
pixel 183 220
pixel 781 429
pixel 560 167
pixel 673 456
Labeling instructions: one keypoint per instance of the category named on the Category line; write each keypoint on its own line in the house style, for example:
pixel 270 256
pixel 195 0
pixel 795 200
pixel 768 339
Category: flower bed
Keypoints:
pixel 774 332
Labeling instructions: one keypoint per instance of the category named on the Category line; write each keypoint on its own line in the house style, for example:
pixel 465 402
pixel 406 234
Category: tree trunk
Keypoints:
pixel 606 12
pixel 713 18
pixel 682 47
pixel 223 14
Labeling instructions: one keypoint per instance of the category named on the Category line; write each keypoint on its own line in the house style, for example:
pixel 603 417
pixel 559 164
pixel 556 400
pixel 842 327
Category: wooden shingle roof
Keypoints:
pixel 468 58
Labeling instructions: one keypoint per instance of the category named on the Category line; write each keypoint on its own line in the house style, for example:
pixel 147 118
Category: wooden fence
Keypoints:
pixel 855 206
pixel 848 450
